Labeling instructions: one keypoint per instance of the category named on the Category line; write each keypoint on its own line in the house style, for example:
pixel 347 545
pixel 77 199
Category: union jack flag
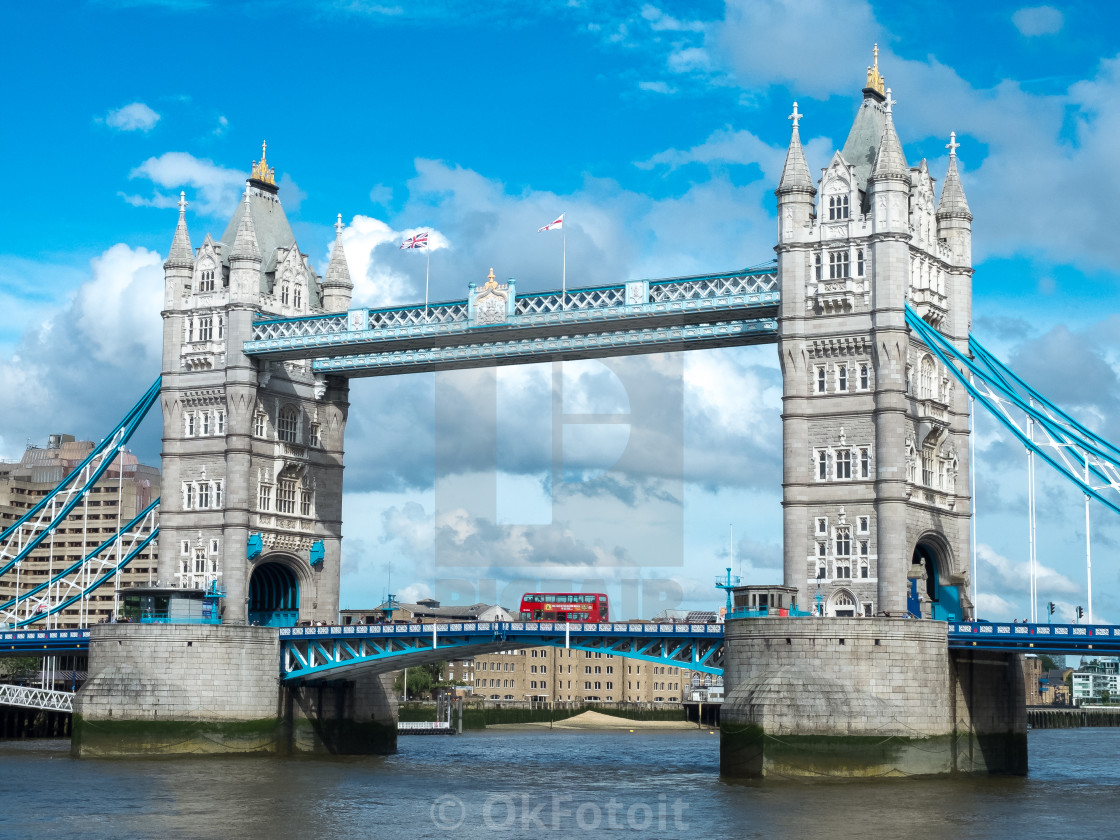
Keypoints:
pixel 420 240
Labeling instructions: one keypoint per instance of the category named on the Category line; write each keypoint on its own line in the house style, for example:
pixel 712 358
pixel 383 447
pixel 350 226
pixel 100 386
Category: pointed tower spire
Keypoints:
pixel 182 254
pixel 795 173
pixel 337 286
pixel 245 243
pixel 952 202
pixel 890 162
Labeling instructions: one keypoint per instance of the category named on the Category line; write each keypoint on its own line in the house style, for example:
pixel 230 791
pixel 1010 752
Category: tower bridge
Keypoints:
pixel 869 304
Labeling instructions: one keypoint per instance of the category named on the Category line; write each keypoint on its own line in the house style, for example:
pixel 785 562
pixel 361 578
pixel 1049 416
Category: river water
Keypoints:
pixel 497 784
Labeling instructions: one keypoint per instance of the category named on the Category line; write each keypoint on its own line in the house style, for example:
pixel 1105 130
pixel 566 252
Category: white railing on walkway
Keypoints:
pixel 36 698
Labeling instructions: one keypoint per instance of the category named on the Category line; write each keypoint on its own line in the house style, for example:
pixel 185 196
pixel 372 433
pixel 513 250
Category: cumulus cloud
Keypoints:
pixel 215 190
pixel 133 117
pixel 1012 577
pixel 79 369
pixel 1038 20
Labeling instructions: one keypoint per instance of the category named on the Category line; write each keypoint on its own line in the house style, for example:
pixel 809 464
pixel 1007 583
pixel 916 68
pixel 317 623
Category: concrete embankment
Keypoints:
pixel 1051 718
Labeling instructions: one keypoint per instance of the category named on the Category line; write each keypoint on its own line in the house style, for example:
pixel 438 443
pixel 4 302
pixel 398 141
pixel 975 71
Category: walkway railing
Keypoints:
pixel 36 698
pixel 497 326
pixel 1035 638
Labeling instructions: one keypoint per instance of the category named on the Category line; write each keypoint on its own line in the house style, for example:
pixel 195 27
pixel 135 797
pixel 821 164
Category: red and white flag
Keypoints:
pixel 420 240
pixel 557 225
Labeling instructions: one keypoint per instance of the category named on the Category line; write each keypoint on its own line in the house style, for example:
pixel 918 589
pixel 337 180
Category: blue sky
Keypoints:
pixel 659 128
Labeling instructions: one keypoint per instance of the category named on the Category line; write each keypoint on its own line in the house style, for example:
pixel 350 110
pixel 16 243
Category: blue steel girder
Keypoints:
pixel 644 316
pixel 44 642
pixel 328 652
pixel 1035 638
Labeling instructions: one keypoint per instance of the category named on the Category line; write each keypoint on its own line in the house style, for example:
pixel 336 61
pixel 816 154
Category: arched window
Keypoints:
pixel 928 466
pixel 926 379
pixel 297 297
pixel 287 425
pixel 838 265
pixel 206 278
pixel 285 293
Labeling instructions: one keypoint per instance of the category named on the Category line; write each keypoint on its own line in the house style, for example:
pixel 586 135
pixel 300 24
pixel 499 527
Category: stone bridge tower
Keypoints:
pixel 252 452
pixel 875 484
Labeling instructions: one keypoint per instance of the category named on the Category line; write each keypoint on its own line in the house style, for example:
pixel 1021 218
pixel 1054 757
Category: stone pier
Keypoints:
pixel 215 689
pixel 864 697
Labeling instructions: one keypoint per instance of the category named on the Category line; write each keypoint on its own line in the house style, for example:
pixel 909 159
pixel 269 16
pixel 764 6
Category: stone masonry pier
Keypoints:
pixel 863 697
pixel 215 689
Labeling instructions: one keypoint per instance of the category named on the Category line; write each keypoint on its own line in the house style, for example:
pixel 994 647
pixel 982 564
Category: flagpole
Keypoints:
pixel 564 264
pixel 427 272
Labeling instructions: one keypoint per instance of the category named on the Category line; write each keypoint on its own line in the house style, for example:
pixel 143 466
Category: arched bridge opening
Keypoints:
pixel 273 596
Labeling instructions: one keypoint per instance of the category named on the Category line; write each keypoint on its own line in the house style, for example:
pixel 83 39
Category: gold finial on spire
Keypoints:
pixel 875 79
pixel 261 171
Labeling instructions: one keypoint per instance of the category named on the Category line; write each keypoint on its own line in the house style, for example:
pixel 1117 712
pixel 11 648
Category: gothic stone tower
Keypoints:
pixel 875 485
pixel 252 453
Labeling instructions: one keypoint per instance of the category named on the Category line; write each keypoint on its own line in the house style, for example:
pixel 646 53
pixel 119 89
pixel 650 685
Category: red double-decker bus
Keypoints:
pixel 564 606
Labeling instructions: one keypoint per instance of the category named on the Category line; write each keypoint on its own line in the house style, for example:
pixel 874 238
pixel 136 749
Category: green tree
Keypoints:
pixel 20 667
pixel 1049 663
pixel 421 679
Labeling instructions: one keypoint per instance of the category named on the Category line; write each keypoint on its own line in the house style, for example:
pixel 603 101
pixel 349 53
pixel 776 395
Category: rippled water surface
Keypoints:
pixel 545 784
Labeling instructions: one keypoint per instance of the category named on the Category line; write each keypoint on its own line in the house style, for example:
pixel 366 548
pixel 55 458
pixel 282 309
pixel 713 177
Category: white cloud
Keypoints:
pixel 383 279
pixel 656 87
pixel 216 189
pixel 765 41
pixel 134 117
pixel 689 59
pixel 994 608
pixel 78 370
pixel 117 309
pixel 1038 20
pixel 1007 576
pixel 660 22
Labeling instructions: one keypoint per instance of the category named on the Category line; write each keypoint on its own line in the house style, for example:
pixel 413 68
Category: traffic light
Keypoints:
pixel 1050 606
pixel 1080 612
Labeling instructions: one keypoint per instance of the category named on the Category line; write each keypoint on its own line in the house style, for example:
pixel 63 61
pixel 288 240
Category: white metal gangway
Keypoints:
pixel 36 698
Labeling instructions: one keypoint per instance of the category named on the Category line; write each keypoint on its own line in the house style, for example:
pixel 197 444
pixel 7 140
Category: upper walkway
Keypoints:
pixel 495 326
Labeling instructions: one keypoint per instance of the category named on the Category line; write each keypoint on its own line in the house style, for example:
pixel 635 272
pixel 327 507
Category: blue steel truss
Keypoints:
pixel 1076 452
pixel 644 316
pixel 21 538
pixel 44 643
pixel 80 579
pixel 1036 638
pixel 327 652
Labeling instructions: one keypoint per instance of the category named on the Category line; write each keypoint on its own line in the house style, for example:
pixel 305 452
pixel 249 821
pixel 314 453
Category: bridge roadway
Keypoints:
pixel 495 326
pixel 311 652
pixel 324 652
